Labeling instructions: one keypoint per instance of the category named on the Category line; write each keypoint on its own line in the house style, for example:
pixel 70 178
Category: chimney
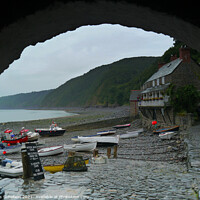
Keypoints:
pixel 160 65
pixel 173 57
pixel 184 53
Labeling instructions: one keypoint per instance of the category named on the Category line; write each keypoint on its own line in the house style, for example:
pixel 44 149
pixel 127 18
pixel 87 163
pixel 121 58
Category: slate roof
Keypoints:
pixel 134 94
pixel 165 69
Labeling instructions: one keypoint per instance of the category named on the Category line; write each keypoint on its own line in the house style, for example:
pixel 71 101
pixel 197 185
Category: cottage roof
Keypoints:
pixel 134 94
pixel 165 69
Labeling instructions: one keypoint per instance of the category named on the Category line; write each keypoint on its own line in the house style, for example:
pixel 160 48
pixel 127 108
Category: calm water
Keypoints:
pixel 26 115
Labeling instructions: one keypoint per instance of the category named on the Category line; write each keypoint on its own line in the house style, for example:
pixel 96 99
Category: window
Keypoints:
pixel 153 83
pixel 163 80
pixel 158 81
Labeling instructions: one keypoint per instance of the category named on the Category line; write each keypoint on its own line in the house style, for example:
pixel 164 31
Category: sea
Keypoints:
pixel 27 115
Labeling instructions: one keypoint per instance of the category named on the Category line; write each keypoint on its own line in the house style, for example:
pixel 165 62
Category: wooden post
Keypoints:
pixel 95 153
pixel 27 172
pixel 109 152
pixel 115 151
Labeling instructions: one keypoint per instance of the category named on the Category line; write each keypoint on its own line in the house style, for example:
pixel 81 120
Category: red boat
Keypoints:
pixel 122 126
pixel 17 140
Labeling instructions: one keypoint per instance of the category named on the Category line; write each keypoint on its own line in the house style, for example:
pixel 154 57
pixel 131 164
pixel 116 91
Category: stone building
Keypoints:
pixel 154 104
pixel 134 98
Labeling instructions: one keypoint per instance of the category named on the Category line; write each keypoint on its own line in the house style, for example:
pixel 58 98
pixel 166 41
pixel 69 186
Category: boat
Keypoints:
pixel 58 168
pixel 131 134
pixel 100 160
pixel 11 168
pixel 122 126
pixel 16 140
pixel 108 132
pixel 90 146
pixel 54 130
pixel 32 136
pixel 9 149
pixel 166 129
pixel 101 141
pixel 50 151
pixel 167 135
pixel 75 138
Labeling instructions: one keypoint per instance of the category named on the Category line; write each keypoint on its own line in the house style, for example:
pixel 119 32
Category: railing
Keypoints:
pixel 153 103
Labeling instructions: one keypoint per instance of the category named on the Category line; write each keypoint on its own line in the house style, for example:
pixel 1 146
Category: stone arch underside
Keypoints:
pixel 62 16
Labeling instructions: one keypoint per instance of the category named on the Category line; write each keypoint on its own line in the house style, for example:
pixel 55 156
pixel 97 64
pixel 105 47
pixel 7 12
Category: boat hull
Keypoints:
pixel 167 129
pixel 58 168
pixel 81 147
pixel 50 151
pixel 50 133
pixel 167 135
pixel 11 149
pixel 101 141
pixel 122 126
pixel 15 141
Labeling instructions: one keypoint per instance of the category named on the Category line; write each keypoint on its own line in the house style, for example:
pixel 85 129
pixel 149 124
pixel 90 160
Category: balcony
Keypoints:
pixel 154 103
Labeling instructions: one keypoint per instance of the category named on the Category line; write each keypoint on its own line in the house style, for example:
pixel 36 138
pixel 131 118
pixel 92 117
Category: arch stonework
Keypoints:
pixel 38 24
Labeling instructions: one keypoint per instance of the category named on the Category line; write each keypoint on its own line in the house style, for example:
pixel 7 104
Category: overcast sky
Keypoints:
pixel 48 65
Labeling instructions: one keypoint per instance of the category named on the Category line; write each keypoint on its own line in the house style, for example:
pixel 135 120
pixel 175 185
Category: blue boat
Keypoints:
pixel 166 129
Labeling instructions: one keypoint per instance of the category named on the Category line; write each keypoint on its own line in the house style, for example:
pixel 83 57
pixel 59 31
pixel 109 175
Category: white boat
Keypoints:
pixel 32 136
pixel 131 134
pixel 90 146
pixel 108 132
pixel 10 149
pixel 100 160
pixel 101 141
pixel 167 135
pixel 75 138
pixel 50 151
pixel 11 168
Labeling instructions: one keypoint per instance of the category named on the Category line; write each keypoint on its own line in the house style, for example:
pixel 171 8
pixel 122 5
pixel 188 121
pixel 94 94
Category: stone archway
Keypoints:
pixel 37 22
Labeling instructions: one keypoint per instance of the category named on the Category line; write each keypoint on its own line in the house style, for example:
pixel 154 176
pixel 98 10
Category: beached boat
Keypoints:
pixel 131 134
pixel 75 138
pixel 11 168
pixel 100 160
pixel 50 151
pixel 90 146
pixel 166 129
pixel 101 141
pixel 9 149
pixel 108 132
pixel 16 140
pixel 32 136
pixel 58 168
pixel 122 126
pixel 167 135
pixel 54 130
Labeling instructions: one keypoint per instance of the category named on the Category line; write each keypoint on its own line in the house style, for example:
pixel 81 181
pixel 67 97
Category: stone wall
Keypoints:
pixel 133 108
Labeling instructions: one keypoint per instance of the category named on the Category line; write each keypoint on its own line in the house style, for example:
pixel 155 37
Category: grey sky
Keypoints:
pixel 48 65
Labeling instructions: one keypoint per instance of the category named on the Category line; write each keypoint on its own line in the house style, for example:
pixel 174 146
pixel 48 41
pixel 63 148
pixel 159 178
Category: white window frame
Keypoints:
pixel 163 80
pixel 153 83
pixel 158 83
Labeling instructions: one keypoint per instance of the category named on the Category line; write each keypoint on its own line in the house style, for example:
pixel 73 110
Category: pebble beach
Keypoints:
pixel 146 167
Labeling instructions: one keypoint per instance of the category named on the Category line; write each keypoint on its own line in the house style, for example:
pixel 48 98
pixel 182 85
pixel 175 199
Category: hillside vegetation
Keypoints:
pixel 104 85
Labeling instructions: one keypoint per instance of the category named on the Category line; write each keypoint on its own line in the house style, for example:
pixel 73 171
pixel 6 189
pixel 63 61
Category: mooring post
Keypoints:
pixel 115 151
pixel 109 152
pixel 27 172
pixel 95 153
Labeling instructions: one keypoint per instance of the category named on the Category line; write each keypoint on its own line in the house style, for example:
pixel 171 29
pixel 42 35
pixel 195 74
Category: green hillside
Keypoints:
pixel 104 85
pixel 24 100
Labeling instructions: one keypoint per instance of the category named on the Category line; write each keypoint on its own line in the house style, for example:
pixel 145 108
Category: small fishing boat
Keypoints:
pixel 54 130
pixel 122 126
pixel 90 146
pixel 166 129
pixel 101 141
pixel 11 168
pixel 50 151
pixel 75 138
pixel 131 134
pixel 32 136
pixel 167 135
pixel 9 149
pixel 108 132
pixel 58 168
pixel 100 160
pixel 16 140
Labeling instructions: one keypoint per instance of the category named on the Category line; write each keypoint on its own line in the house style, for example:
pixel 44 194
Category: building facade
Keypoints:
pixel 154 104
